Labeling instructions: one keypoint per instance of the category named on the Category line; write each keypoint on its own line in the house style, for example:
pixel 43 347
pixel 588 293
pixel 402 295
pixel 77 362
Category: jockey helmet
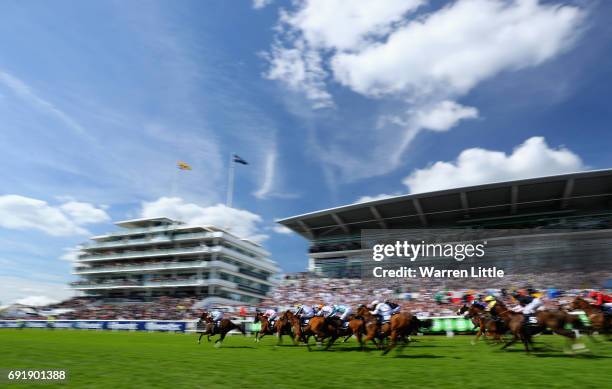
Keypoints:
pixel 489 298
pixel 375 303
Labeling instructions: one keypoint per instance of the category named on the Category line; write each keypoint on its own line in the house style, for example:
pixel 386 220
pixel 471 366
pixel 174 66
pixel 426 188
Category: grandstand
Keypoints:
pixel 159 257
pixel 539 208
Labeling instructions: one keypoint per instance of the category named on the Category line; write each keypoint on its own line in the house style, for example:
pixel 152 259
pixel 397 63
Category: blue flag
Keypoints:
pixel 237 159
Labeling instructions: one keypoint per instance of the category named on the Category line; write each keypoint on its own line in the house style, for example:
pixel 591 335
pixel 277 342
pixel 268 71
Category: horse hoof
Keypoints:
pixel 217 345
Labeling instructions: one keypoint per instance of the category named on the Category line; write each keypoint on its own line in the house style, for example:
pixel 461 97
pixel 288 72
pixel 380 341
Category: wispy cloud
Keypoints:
pixel 25 92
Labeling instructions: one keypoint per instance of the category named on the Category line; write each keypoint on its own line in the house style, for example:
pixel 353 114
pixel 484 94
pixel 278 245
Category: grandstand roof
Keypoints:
pixel 568 195
pixel 146 222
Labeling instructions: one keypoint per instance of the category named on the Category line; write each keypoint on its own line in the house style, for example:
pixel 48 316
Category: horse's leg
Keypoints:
pixel 219 341
pixel 511 342
pixel 571 336
pixel 392 342
pixel 331 341
pixel 360 340
pixel 279 338
pixel 346 338
pixel 478 334
pixel 200 338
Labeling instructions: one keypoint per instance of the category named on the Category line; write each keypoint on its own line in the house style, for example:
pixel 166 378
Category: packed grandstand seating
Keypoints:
pixel 431 298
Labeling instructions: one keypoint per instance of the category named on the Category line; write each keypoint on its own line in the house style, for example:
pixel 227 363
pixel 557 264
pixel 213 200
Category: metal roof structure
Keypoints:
pixel 566 195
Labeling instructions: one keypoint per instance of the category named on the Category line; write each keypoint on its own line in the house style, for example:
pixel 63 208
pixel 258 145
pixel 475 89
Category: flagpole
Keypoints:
pixel 230 182
pixel 175 183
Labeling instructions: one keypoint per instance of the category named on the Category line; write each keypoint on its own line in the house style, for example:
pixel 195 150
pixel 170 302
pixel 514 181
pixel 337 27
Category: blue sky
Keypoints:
pixel 329 102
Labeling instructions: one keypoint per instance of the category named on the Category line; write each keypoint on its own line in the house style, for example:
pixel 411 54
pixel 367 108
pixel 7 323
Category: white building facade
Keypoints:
pixel 154 257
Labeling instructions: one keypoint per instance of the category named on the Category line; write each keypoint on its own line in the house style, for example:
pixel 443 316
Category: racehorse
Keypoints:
pixel 210 329
pixel 485 324
pixel 356 327
pixel 600 322
pixel 371 327
pixel 555 320
pixel 400 326
pixel 266 327
pixel 288 324
pixel 322 328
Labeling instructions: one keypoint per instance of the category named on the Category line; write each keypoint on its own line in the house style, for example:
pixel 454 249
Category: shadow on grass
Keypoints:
pixel 422 356
pixel 428 346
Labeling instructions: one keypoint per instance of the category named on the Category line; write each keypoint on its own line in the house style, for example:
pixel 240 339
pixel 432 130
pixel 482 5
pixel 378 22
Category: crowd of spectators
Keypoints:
pixel 431 297
pixel 90 308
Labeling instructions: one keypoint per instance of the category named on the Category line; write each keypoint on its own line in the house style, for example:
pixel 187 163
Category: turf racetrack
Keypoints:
pixel 144 360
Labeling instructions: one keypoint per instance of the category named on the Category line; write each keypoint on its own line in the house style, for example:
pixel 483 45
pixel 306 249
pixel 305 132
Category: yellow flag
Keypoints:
pixel 183 165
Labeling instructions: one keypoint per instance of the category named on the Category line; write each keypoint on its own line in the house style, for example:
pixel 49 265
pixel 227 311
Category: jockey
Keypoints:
pixel 479 304
pixel 343 310
pixel 216 315
pixel 304 311
pixel 491 301
pixel 271 314
pixel 530 302
pixel 601 300
pixel 395 308
pixel 382 310
pixel 325 311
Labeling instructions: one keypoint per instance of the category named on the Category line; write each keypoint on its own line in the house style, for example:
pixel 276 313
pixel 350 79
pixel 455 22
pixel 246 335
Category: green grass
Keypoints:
pixel 146 360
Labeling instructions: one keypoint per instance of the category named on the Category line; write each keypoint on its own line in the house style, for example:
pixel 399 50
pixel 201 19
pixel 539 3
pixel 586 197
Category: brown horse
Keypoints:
pixel 355 327
pixel 288 324
pixel 371 327
pixel 553 319
pixel 265 329
pixel 400 326
pixel 322 328
pixel 483 321
pixel 600 322
pixel 210 329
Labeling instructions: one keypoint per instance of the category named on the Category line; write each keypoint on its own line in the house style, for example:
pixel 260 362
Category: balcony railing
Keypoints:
pixel 152 284
pixel 156 266
pixel 259 262
pixel 151 240
pixel 146 253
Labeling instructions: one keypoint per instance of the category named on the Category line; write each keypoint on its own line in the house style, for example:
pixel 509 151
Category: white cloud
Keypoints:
pixel 241 222
pixel 443 116
pixel 259 4
pixel 301 70
pixel 453 49
pixel 280 229
pixel 269 174
pixel 37 301
pixel 71 254
pixel 25 213
pixel 364 199
pixel 474 166
pixel 415 65
pixel 28 290
pixel 346 24
pixel 84 213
